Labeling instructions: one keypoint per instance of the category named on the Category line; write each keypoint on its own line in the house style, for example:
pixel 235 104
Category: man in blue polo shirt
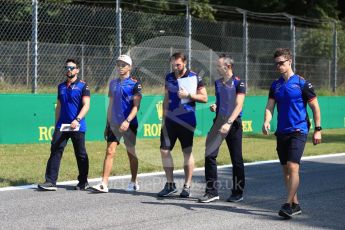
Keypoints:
pixel 73 103
pixel 124 102
pixel 291 93
pixel 179 120
pixel 230 93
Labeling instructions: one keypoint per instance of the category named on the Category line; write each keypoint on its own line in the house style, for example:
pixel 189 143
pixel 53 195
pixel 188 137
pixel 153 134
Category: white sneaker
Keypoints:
pixel 100 188
pixel 132 187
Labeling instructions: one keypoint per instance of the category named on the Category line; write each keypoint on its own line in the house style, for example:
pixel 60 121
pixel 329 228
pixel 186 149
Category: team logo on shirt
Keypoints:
pixel 310 85
pixel 295 86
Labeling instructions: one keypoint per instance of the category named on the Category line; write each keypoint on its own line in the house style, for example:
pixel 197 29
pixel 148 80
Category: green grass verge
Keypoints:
pixel 25 163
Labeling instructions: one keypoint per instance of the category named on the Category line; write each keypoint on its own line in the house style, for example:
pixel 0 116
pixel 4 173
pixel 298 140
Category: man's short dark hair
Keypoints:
pixel 73 61
pixel 179 55
pixel 283 52
pixel 228 60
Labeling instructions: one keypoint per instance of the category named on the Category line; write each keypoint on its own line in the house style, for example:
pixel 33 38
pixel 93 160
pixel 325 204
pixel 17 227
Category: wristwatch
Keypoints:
pixel 317 128
pixel 78 119
pixel 229 122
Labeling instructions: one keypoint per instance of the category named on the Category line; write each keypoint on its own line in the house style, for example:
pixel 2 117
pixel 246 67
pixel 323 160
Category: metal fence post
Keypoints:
pixel 210 69
pixel 82 60
pixel 118 29
pixel 293 40
pixel 188 34
pixel 335 55
pixel 28 64
pixel 245 45
pixel 35 45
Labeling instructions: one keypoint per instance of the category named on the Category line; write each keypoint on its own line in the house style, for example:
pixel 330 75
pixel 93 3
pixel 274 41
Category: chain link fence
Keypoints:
pixel 90 35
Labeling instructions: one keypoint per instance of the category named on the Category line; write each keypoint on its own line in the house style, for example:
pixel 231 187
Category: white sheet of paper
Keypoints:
pixel 67 128
pixel 189 84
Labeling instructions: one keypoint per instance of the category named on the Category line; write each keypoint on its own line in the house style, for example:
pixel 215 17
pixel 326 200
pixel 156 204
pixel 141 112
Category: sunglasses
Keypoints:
pixel 70 68
pixel 280 62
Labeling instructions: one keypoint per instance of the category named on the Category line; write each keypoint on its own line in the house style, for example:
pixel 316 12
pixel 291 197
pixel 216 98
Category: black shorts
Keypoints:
pixel 290 147
pixel 129 137
pixel 172 131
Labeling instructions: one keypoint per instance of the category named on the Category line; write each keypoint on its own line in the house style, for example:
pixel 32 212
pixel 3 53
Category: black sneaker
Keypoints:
pixel 235 198
pixel 285 211
pixel 208 197
pixel 82 186
pixel 47 186
pixel 185 192
pixel 168 189
pixel 296 209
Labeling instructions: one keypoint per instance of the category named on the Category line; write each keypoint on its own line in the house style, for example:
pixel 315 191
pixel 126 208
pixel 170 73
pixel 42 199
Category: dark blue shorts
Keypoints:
pixel 290 147
pixel 130 136
pixel 171 131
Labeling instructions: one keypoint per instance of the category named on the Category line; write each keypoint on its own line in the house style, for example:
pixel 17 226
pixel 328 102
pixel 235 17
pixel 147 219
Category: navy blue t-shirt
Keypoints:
pixel 291 97
pixel 178 112
pixel 71 100
pixel 226 95
pixel 123 93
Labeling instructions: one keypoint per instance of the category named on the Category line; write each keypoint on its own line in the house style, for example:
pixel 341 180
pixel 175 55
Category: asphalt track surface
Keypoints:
pixel 321 194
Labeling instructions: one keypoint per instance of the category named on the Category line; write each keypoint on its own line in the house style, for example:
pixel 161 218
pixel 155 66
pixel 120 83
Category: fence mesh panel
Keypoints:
pixel 89 35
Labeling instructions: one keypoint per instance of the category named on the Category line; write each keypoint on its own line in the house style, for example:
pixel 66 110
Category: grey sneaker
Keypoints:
pixel 168 189
pixel 47 186
pixel 185 192
pixel 82 186
pixel 207 198
pixel 296 209
pixel 235 198
pixel 285 211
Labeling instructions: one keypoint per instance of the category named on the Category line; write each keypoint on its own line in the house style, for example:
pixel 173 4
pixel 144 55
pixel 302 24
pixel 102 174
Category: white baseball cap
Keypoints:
pixel 125 58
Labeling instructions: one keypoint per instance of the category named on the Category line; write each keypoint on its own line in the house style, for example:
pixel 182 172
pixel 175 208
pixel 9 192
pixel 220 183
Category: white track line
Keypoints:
pixel 74 182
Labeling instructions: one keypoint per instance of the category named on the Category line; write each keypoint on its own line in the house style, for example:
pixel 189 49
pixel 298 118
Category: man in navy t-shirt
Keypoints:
pixel 124 102
pixel 291 93
pixel 179 120
pixel 73 102
pixel 230 93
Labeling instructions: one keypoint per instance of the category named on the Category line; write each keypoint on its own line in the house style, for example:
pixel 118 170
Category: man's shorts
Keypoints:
pixel 129 137
pixel 172 131
pixel 290 147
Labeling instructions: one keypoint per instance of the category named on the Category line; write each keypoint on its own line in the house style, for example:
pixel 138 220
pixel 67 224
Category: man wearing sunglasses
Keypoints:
pixel 291 93
pixel 73 103
pixel 124 101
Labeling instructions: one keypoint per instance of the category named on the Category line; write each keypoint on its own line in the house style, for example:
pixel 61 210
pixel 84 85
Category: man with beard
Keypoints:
pixel 73 103
pixel 179 121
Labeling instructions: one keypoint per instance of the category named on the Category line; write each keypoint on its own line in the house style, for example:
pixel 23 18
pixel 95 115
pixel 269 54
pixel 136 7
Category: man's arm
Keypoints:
pixel 85 108
pixel 83 111
pixel 136 104
pixel 268 116
pixel 314 105
pixel 200 96
pixel 238 108
pixel 57 111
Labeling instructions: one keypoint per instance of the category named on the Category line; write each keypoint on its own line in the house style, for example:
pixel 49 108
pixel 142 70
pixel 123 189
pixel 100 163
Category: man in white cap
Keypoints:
pixel 124 101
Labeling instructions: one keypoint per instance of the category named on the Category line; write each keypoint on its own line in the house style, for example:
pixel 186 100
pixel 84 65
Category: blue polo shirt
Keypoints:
pixel 178 112
pixel 123 93
pixel 291 97
pixel 71 100
pixel 226 95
